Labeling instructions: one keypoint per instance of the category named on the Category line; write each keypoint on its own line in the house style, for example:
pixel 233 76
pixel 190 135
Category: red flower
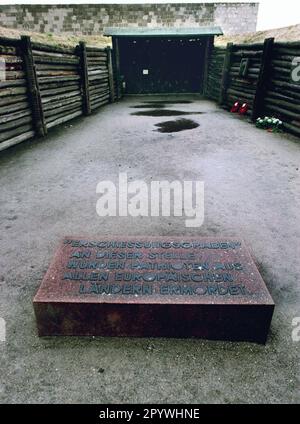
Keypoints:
pixel 235 107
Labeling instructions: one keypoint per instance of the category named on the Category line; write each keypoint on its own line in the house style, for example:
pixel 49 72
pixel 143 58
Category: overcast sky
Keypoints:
pixel 272 13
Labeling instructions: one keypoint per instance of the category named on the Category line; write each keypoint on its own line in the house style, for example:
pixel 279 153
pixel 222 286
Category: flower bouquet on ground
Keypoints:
pixel 271 124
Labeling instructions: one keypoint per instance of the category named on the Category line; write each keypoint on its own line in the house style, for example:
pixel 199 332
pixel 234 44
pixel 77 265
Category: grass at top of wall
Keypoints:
pixel 290 33
pixel 62 40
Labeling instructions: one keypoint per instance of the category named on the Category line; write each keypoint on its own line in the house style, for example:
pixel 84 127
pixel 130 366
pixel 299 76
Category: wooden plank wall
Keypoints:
pixel 58 77
pixel 98 77
pixel 16 123
pixel 267 86
pixel 282 98
pixel 44 86
pixel 240 88
pixel 215 69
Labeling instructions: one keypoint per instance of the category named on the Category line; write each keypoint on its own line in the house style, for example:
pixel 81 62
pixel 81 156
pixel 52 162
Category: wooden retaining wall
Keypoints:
pixel 42 86
pixel 16 120
pixel 243 87
pixel 97 77
pixel 215 69
pixel 260 75
pixel 59 84
pixel 282 97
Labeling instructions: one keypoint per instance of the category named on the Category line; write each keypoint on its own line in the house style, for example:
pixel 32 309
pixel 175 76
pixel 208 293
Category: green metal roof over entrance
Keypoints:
pixel 162 32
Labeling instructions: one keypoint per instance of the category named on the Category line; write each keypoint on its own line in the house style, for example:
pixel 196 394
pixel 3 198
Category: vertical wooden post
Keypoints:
pixel 84 78
pixel 225 74
pixel 208 49
pixel 263 76
pixel 110 75
pixel 116 55
pixel 33 87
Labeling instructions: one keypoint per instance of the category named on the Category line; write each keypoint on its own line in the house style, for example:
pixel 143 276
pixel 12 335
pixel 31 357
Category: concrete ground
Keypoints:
pixel 48 189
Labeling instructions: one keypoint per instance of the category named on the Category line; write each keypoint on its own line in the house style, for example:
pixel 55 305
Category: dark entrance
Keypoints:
pixel 162 65
pixel 161 60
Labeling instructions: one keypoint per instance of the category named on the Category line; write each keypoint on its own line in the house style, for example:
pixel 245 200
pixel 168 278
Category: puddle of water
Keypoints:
pixel 163 112
pixel 176 126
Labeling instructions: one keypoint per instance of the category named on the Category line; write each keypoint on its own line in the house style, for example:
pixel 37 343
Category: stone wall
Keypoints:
pixel 234 18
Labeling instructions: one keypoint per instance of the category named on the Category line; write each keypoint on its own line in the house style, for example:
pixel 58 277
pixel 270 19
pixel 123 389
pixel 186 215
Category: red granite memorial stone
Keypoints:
pixel 154 286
